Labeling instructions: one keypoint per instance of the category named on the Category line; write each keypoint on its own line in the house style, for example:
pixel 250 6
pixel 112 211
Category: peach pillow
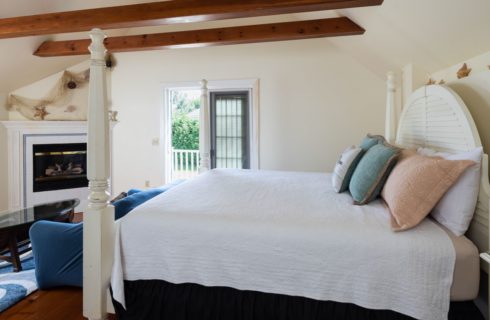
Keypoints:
pixel 415 186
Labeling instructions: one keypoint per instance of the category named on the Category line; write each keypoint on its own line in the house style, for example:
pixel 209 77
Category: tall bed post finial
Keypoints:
pixel 98 229
pixel 391 117
pixel 204 130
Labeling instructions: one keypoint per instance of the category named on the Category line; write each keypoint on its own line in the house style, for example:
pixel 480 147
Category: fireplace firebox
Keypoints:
pixel 59 166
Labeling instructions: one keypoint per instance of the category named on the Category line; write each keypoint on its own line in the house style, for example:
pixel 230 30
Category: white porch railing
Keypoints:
pixel 185 164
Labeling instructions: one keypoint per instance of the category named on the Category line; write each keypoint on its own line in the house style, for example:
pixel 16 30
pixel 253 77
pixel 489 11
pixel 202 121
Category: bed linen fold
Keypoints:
pixel 287 233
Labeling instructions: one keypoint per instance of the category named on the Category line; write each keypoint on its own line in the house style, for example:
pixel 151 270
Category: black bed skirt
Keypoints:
pixel 161 300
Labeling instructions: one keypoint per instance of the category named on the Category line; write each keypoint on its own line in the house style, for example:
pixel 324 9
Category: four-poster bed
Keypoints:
pixel 456 132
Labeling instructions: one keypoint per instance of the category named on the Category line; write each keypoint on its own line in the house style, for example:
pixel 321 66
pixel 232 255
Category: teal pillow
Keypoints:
pixel 371 172
pixel 370 141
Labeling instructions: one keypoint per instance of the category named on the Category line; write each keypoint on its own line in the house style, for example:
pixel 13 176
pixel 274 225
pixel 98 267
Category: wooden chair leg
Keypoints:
pixel 14 253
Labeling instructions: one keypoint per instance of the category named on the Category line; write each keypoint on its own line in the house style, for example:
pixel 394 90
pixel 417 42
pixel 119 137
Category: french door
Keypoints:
pixel 230 129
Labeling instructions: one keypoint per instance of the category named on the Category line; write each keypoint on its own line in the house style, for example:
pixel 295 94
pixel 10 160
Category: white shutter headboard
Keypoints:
pixel 437 118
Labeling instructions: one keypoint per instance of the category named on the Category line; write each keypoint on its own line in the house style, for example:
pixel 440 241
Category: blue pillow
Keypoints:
pixel 371 172
pixel 125 205
pixel 370 141
pixel 133 191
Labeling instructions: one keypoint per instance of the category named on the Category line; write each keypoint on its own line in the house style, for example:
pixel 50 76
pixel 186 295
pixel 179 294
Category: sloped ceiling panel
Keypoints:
pixel 432 34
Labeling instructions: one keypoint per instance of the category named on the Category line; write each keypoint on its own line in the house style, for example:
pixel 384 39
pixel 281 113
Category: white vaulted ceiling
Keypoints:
pixel 18 67
pixel 432 34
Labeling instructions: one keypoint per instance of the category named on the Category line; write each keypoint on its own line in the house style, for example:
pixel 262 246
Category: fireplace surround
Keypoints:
pixel 57 172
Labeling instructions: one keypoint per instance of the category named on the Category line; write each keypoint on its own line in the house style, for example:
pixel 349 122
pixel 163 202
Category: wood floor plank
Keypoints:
pixel 62 304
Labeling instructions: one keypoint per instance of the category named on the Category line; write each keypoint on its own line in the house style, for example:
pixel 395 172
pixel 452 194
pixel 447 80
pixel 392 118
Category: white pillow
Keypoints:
pixel 345 167
pixel 456 208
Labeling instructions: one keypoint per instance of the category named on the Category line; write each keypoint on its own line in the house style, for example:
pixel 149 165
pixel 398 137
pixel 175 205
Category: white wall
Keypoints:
pixel 314 102
pixel 478 64
pixel 474 90
pixel 3 156
pixel 40 89
pixel 412 78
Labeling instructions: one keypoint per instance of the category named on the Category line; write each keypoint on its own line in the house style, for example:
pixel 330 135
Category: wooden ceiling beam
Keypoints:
pixel 209 37
pixel 163 12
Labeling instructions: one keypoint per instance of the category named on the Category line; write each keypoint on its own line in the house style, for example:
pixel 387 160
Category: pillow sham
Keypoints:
pixel 344 168
pixel 456 208
pixel 370 141
pixel 371 172
pixel 416 184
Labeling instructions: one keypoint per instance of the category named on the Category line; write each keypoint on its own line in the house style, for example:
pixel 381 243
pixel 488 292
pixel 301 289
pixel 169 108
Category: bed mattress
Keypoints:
pixel 285 233
pixel 466 275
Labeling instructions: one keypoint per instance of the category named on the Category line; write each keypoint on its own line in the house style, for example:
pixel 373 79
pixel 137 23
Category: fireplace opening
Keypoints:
pixel 59 166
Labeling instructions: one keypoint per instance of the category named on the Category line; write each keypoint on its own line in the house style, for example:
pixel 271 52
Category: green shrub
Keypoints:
pixel 185 133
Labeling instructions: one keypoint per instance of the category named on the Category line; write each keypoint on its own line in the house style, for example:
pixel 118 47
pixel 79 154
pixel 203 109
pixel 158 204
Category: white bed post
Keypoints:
pixel 391 117
pixel 204 130
pixel 98 224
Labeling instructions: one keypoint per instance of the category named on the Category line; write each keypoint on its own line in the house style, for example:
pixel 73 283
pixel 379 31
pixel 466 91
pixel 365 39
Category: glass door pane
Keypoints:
pixel 185 109
pixel 230 130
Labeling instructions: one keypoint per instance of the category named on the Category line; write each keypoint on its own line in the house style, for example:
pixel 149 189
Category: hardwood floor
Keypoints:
pixel 56 304
pixel 77 217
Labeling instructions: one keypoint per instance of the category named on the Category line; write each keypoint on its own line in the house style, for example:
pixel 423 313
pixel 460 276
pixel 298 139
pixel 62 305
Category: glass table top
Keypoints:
pixel 47 211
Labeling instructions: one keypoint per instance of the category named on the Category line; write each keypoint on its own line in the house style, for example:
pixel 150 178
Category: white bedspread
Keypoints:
pixel 286 233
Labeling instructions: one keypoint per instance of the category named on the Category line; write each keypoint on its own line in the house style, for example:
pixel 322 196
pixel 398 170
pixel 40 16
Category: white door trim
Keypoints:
pixel 251 85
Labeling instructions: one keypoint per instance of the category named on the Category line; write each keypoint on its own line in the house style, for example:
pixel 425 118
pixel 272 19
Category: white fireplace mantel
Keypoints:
pixel 44 125
pixel 18 132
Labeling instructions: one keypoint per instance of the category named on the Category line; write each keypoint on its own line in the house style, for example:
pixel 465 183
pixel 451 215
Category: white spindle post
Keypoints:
pixel 191 164
pixel 391 117
pixel 98 224
pixel 204 130
pixel 179 165
pixel 174 163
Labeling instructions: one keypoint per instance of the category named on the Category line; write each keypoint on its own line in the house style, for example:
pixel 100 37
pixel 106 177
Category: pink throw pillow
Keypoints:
pixel 415 186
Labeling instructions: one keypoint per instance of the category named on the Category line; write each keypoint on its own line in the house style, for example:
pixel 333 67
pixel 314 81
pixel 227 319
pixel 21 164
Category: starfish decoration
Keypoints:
pixel 430 82
pixel 463 72
pixel 40 113
pixel 442 81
